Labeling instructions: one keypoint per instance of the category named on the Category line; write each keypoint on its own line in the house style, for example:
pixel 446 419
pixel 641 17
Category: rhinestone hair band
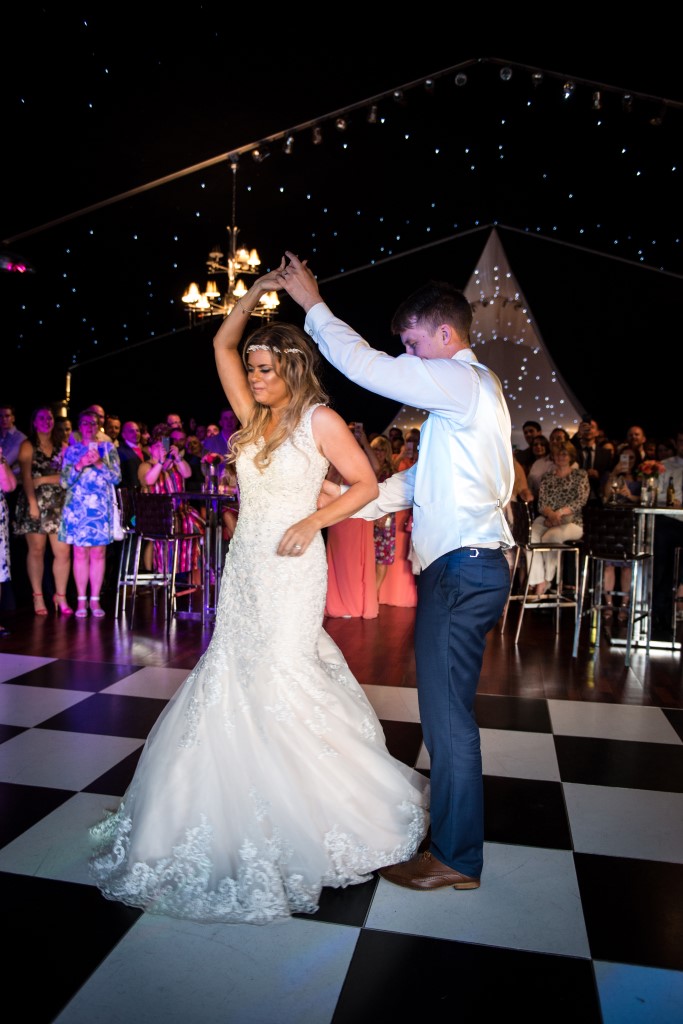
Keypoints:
pixel 269 348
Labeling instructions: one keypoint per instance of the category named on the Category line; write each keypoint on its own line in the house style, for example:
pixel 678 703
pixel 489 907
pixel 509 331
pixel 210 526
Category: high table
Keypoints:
pixel 647 518
pixel 213 504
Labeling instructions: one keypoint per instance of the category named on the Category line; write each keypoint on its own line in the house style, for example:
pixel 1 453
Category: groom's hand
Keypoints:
pixel 299 282
pixel 328 492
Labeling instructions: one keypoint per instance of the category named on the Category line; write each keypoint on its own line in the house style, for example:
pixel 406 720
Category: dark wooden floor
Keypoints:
pixel 379 651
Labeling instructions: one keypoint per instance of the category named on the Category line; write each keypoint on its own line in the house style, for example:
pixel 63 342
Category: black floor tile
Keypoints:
pixel 8 732
pixel 347 906
pixel 623 763
pixel 633 910
pixel 115 782
pixel 408 978
pixel 526 812
pixel 403 740
pixel 58 933
pixel 22 806
pixel 75 675
pixel 109 714
pixel 675 717
pixel 520 713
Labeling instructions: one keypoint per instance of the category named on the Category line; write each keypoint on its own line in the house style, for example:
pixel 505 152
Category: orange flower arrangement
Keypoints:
pixel 650 468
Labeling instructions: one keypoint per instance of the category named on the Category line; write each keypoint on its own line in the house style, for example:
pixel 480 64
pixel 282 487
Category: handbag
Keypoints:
pixel 117 526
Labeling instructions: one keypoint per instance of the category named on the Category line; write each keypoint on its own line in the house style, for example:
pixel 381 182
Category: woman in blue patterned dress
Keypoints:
pixel 89 471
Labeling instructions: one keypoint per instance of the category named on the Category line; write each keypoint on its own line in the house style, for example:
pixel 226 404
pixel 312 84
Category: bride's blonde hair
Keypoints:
pixel 295 359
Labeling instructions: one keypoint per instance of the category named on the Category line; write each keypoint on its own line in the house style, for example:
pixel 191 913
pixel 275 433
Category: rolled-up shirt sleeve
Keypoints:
pixel 395 493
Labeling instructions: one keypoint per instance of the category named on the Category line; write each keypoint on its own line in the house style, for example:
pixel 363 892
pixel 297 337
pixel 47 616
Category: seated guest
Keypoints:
pixel 540 446
pixel 562 495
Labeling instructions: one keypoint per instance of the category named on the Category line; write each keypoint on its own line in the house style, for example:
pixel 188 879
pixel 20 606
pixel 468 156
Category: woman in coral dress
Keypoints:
pixel 399 588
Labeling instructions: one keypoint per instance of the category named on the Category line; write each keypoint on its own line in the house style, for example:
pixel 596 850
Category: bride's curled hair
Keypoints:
pixel 296 360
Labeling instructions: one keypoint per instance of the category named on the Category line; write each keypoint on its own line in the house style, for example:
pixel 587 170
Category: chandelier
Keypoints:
pixel 213 301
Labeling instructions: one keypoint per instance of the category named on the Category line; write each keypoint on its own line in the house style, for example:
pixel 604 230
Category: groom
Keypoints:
pixel 457 490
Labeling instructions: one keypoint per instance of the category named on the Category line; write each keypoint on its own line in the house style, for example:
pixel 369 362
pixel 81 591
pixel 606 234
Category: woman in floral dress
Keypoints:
pixel 563 492
pixel 90 469
pixel 39 510
pixel 8 482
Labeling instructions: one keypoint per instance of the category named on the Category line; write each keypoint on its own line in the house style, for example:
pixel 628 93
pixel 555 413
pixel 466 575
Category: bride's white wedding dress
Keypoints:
pixel 266 777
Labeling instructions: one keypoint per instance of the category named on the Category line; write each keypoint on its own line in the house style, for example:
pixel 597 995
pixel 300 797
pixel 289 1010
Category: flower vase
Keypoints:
pixel 211 480
pixel 648 492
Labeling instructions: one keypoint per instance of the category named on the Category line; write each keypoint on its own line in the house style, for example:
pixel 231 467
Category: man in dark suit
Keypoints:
pixel 526 456
pixel 597 461
pixel 131 455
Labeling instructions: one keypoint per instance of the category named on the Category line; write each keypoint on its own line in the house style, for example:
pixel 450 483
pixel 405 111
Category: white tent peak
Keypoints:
pixel 506 338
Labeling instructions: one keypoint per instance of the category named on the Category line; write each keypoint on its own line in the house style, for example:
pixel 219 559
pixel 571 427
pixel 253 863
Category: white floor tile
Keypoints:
pixel 59 846
pixel 529 899
pixel 152 681
pixel 393 703
pixel 611 721
pixel 640 823
pixel 180 972
pixel 519 755
pixel 12 665
pixel 29 705
pixel 61 760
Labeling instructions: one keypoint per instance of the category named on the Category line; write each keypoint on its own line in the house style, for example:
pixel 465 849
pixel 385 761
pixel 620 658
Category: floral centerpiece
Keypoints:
pixel 648 473
pixel 650 469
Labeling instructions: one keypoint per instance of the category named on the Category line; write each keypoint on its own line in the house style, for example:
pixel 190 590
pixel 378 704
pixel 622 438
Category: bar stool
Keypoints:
pixel 610 534
pixel 124 578
pixel 158 519
pixel 554 601
pixel 676 602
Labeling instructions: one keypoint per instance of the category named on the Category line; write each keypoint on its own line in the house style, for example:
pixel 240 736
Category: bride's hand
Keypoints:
pixel 272 281
pixel 297 538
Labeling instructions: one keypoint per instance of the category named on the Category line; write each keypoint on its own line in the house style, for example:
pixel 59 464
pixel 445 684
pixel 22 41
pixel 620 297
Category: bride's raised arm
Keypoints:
pixel 226 342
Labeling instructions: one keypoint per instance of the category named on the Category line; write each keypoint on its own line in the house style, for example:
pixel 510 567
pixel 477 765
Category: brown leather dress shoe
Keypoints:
pixel 424 871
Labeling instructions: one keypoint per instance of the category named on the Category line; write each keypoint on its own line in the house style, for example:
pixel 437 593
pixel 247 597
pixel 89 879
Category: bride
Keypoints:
pixel 267 776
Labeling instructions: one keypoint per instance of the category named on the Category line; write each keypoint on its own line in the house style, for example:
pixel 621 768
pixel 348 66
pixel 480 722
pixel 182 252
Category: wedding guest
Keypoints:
pixel 63 431
pixel 399 588
pixel 112 427
pixel 174 421
pixel 530 428
pixel 622 487
pixel 39 511
pixel 166 472
pixel 540 446
pixel 384 530
pixel 90 471
pixel 667 537
pixel 562 495
pixel 10 438
pixel 131 455
pixel 351 586
pixel 220 442
pixel 8 483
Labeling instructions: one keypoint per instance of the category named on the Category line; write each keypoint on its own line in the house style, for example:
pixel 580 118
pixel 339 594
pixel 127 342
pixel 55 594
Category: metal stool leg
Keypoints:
pixel 513 573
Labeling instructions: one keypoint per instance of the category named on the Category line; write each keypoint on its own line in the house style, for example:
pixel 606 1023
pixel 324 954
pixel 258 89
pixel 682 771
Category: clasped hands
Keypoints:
pixel 294 276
